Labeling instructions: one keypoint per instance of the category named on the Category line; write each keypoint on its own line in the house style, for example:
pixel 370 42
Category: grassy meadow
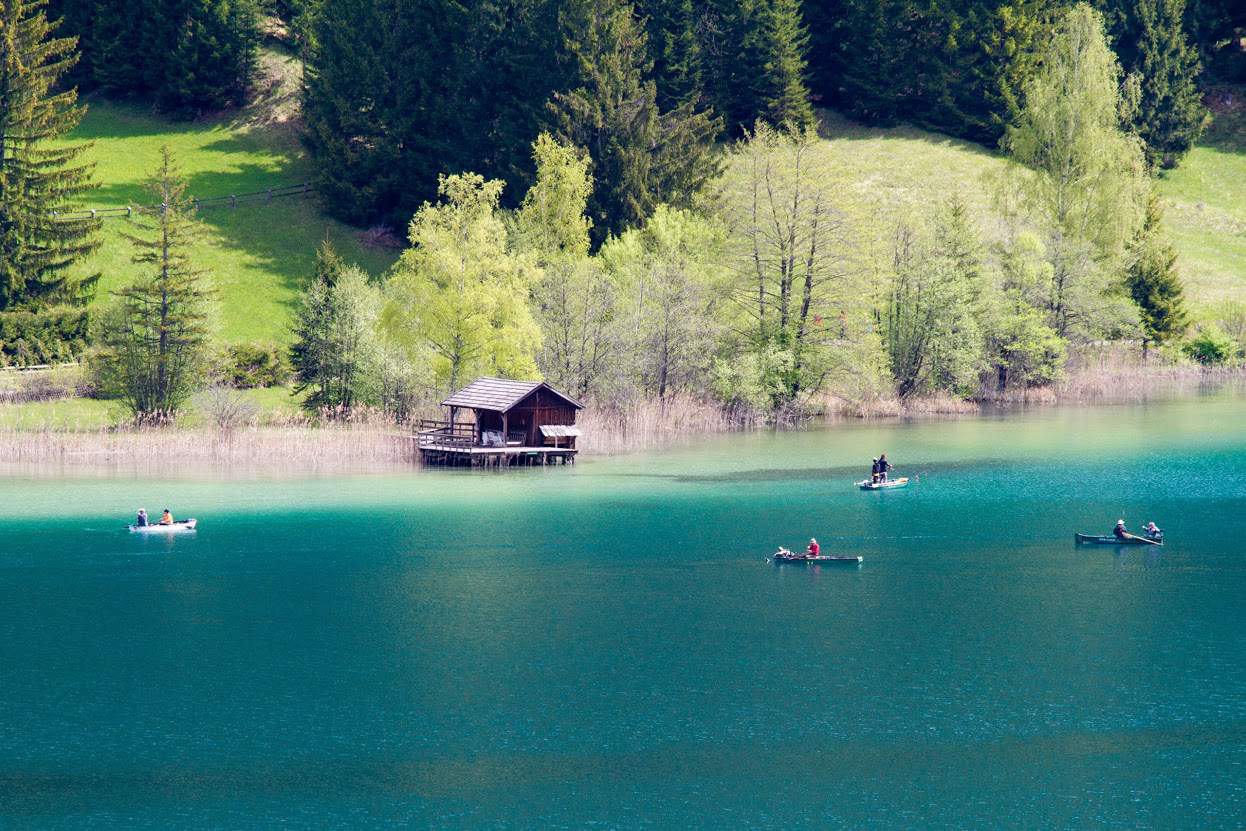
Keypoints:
pixel 899 171
pixel 259 255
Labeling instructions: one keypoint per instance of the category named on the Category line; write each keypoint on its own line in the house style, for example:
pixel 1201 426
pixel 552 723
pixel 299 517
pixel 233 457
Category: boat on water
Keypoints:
pixel 784 556
pixel 890 484
pixel 1112 539
pixel 183 527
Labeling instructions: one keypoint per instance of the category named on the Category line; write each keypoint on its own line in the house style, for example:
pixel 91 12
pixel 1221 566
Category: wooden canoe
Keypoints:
pixel 867 485
pixel 821 558
pixel 1112 539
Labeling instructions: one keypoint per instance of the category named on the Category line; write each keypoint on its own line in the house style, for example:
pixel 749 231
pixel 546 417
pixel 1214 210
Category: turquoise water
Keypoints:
pixel 605 645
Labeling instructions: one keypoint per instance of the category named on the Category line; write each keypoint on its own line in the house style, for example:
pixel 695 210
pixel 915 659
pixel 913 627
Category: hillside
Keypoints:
pixel 260 255
pixel 899 170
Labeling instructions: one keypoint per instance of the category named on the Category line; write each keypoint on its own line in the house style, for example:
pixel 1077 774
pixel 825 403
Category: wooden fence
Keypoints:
pixel 233 200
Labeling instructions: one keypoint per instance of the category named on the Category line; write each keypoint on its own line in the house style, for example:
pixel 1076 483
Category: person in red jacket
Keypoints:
pixel 814 549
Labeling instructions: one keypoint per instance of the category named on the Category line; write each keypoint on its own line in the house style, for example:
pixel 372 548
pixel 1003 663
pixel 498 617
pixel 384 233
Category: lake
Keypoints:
pixel 607 646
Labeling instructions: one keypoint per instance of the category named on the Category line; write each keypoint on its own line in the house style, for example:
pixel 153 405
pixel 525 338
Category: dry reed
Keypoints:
pixel 648 423
pixel 176 451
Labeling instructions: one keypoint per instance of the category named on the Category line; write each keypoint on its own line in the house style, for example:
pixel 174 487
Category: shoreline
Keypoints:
pixel 364 448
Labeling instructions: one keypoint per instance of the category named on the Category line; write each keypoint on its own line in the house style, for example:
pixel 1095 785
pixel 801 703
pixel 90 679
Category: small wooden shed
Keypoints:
pixel 515 421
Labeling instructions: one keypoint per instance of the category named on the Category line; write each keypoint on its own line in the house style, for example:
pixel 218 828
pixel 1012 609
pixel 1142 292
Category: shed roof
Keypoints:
pixel 500 395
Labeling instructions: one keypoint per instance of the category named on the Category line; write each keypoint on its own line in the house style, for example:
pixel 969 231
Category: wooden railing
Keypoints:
pixel 445 434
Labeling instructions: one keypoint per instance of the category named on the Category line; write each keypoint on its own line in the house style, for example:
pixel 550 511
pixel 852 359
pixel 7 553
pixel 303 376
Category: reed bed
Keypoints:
pixel 162 451
pixel 1111 374
pixel 647 423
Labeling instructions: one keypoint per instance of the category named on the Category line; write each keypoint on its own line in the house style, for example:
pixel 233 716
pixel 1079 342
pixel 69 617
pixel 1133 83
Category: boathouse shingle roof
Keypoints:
pixel 500 395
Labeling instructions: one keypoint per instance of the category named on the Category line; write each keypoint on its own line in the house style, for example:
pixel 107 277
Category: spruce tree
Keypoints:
pixel 1154 283
pixel 188 56
pixel 154 338
pixel 778 41
pixel 39 175
pixel 678 55
pixel 1170 114
pixel 641 156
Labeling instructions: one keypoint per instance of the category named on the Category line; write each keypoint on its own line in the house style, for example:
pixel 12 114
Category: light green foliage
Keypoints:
pixel 1023 350
pixel 551 223
pixel 154 338
pixel 1210 346
pixel 931 322
pixel 1086 186
pixel 458 297
pixel 669 288
pixel 797 289
pixel 575 299
pixel 337 353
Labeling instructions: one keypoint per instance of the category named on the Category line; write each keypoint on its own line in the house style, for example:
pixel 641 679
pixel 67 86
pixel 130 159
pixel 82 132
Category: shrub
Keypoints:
pixel 252 365
pixel 1210 346
pixel 51 336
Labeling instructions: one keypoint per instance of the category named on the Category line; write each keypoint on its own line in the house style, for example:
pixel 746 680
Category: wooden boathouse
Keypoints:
pixel 511 423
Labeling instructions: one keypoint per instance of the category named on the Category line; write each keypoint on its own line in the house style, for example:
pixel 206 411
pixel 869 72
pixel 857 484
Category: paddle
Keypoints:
pixel 1144 539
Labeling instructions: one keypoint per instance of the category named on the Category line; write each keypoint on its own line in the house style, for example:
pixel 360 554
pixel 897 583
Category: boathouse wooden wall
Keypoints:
pixel 540 408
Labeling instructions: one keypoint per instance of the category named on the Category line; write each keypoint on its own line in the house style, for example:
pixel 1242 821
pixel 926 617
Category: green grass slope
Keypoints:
pixel 1206 207
pixel 904 170
pixel 259 255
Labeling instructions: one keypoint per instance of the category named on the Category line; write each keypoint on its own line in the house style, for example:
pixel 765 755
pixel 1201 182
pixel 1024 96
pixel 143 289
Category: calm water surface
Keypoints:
pixel 605 646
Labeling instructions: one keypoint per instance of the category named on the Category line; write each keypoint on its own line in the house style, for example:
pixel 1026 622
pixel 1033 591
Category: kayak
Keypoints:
pixel 182 527
pixel 821 558
pixel 1112 540
pixel 867 485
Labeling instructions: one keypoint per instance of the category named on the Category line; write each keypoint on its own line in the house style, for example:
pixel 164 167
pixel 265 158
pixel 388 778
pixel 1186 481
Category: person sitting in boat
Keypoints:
pixel 1153 531
pixel 883 467
pixel 1119 531
pixel 874 472
pixel 141 519
pixel 166 518
pixel 814 549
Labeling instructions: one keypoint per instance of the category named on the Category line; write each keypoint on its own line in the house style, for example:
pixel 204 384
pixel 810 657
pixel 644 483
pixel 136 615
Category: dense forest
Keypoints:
pixel 631 199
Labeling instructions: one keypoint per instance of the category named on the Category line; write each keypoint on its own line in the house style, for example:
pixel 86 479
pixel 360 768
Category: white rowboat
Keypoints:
pixel 183 527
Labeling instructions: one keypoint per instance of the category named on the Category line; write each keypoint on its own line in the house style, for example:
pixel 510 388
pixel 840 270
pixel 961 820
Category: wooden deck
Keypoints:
pixel 455 445
pixel 457 455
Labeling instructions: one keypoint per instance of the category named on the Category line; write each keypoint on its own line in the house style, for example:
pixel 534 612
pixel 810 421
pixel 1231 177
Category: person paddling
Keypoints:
pixel 883 467
pixel 814 549
pixel 166 518
pixel 1153 531
pixel 141 519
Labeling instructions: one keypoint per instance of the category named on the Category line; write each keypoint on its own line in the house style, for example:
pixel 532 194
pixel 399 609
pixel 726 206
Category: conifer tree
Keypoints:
pixel 1170 112
pixel 776 42
pixel 1153 281
pixel 155 336
pixel 38 175
pixel 678 55
pixel 188 56
pixel 641 156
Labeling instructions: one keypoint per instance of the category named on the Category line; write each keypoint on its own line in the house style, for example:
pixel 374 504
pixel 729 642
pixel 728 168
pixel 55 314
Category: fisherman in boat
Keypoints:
pixel 814 549
pixel 166 518
pixel 141 519
pixel 1119 531
pixel 874 472
pixel 1152 531
pixel 883 467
